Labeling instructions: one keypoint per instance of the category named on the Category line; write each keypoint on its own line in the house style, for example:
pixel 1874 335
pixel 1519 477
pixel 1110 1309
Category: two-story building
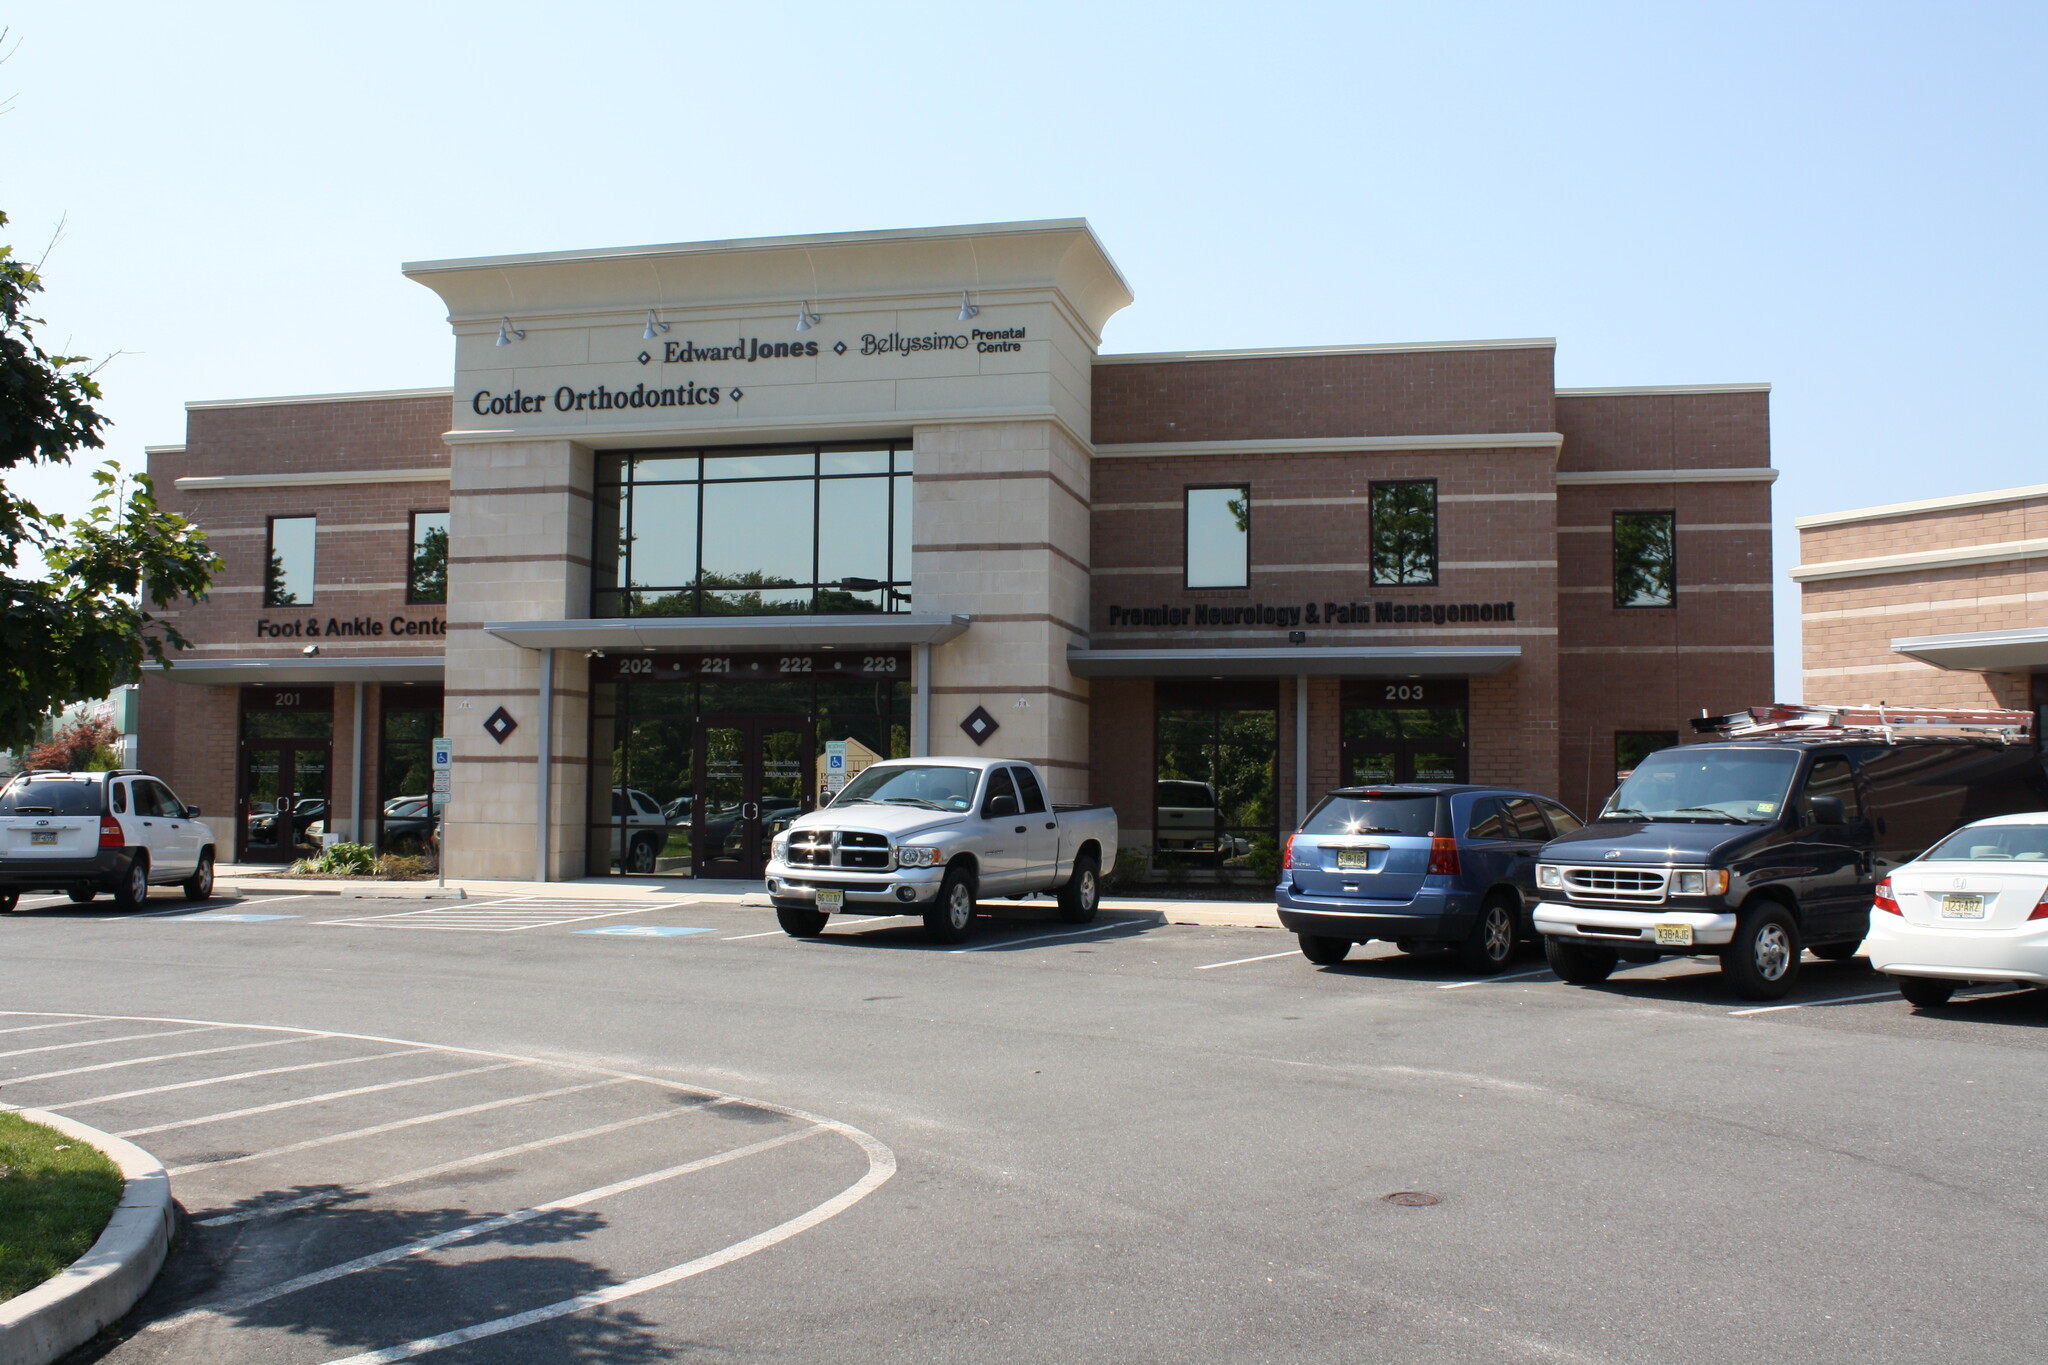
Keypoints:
pixel 700 528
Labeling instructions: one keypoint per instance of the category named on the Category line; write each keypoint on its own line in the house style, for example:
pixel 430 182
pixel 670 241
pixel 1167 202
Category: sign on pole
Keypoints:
pixel 444 771
pixel 835 766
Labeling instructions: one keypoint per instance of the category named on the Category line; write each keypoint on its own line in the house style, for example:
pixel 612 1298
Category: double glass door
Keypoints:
pixel 753 776
pixel 284 794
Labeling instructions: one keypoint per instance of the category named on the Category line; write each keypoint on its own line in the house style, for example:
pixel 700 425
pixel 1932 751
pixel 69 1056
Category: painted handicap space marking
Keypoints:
pixel 642 931
pixel 224 917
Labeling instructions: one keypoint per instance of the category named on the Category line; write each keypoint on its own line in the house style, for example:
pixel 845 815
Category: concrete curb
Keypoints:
pixel 67 1310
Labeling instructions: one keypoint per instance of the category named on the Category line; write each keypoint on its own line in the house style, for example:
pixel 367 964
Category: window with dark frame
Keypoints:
pixel 1218 544
pixel 1633 746
pixel 752 531
pixel 1216 753
pixel 1403 533
pixel 288 562
pixel 1645 559
pixel 426 579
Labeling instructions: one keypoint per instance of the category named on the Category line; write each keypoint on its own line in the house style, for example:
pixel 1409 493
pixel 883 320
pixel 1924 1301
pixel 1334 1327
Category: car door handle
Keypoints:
pixel 1051 824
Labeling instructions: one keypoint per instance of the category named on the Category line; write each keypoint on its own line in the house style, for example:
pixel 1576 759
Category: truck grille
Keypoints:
pixel 848 848
pixel 1616 885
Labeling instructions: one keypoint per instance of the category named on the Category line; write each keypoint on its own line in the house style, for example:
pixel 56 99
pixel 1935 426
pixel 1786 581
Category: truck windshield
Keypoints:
pixel 933 786
pixel 1740 786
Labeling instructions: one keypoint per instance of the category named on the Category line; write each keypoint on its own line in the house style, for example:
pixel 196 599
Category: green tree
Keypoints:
pixel 88 624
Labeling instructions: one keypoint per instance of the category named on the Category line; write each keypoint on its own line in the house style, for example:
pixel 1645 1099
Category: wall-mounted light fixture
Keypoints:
pixel 655 326
pixel 310 650
pixel 969 311
pixel 805 318
pixel 507 333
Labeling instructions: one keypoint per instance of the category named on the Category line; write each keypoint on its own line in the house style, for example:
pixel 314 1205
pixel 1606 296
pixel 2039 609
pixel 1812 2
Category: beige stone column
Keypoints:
pixel 518 549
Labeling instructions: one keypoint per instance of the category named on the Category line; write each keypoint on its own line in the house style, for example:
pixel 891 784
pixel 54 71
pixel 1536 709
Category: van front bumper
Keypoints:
pixel 1631 928
pixel 798 886
pixel 1434 914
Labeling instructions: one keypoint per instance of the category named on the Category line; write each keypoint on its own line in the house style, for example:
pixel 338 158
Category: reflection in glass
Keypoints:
pixel 288 575
pixel 756 533
pixel 662 468
pixel 849 510
pixel 1219 537
pixel 1645 559
pixel 664 544
pixel 854 462
pixel 429 578
pixel 1404 532
pixel 760 466
pixel 1215 789
pixel 757 602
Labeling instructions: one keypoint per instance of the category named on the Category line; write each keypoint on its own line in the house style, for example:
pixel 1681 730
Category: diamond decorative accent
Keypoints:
pixel 979 725
pixel 500 725
pixel 736 394
pixel 839 348
pixel 644 357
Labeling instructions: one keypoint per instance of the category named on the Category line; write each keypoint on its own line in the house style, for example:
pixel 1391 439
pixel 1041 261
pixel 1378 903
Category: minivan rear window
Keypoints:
pixel 51 796
pixel 1388 814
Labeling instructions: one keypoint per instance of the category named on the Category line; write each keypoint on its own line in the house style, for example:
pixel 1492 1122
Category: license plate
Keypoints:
pixel 42 836
pixel 1962 907
pixel 831 898
pixel 1354 859
pixel 1674 935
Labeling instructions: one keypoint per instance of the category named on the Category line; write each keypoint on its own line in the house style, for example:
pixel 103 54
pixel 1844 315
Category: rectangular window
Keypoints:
pixel 1215 796
pixel 1404 533
pixel 1633 746
pixel 1219 537
pixel 753 531
pixel 288 568
pixel 428 579
pixel 1645 559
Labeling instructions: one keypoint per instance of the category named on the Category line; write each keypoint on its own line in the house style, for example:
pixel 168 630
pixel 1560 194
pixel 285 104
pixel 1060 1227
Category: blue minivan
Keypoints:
pixel 1429 866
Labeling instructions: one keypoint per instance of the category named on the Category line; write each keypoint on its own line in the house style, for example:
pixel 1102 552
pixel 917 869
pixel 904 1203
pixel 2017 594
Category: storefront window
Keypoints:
pixel 288 568
pixel 1645 559
pixel 1219 537
pixel 1214 795
pixel 1404 533
pixel 427 579
pixel 751 532
pixel 409 718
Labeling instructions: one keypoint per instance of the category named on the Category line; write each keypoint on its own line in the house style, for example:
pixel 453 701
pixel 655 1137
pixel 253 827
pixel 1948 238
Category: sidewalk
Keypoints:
pixel 257 877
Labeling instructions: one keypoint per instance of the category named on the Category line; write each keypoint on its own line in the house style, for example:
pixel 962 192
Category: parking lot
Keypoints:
pixel 532 1128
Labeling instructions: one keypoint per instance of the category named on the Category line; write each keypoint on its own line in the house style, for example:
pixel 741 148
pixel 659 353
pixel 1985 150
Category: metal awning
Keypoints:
pixel 2016 651
pixel 733 632
pixel 299 668
pixel 1351 661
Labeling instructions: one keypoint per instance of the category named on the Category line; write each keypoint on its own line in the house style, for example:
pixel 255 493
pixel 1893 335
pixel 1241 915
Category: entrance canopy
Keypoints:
pixel 1990 651
pixel 733 632
pixel 1351 661
pixel 415 668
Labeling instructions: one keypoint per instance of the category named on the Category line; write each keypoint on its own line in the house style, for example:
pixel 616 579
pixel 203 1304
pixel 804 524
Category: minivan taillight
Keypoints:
pixel 1287 853
pixel 1443 856
pixel 110 832
pixel 1890 906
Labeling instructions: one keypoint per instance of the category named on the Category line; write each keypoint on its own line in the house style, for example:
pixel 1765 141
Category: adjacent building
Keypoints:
pixel 699 528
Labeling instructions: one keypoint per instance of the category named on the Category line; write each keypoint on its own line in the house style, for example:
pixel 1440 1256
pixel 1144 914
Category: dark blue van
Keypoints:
pixel 1429 867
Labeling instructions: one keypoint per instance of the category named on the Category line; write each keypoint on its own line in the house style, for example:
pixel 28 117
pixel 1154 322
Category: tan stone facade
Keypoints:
pixel 1046 509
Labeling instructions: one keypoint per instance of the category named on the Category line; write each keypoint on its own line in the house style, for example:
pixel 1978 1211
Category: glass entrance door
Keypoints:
pixel 1410 731
pixel 754 775
pixel 284 794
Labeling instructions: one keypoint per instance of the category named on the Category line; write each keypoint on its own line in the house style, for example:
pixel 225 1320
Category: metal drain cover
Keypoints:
pixel 1413 1199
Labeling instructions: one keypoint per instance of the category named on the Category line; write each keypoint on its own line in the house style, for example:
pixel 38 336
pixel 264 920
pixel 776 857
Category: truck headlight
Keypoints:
pixel 778 848
pixel 1703 882
pixel 919 857
pixel 1549 878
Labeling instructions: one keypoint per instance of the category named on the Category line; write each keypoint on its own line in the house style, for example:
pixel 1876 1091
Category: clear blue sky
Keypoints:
pixel 1845 200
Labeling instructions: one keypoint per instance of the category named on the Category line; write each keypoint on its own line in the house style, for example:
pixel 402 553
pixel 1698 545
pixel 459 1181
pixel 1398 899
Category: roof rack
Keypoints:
pixel 1793 720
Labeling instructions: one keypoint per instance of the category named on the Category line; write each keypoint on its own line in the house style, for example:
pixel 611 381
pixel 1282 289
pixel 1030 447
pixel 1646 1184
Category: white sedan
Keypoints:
pixel 1972 908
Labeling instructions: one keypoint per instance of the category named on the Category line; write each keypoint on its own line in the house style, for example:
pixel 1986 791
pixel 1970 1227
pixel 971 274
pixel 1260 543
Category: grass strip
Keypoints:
pixel 56 1195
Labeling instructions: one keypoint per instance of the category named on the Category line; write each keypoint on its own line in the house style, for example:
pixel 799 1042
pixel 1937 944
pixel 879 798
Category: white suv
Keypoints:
pixel 85 833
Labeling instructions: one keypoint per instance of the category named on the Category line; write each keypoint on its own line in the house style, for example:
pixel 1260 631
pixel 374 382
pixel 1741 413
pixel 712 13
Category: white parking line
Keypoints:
pixel 67 1023
pixel 501 917
pixel 1240 961
pixel 191 907
pixel 1071 933
pixel 100 1042
pixel 237 1076
pixel 307 1201
pixel 160 1057
pixel 312 1099
pixel 1489 980
pixel 1809 1004
pixel 478 1229
pixel 415 1121
pixel 737 937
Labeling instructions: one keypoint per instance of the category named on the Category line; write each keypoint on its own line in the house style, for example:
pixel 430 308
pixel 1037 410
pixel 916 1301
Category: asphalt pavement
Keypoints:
pixel 540 1129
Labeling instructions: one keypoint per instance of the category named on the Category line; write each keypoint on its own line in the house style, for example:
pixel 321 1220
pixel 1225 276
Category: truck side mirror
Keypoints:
pixel 1827 810
pixel 998 807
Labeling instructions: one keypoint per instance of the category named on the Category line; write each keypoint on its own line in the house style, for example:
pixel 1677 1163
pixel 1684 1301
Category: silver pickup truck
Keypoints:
pixel 936 834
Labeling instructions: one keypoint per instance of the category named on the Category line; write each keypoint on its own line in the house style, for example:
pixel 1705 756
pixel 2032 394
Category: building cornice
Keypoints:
pixel 1902 509
pixel 1956 557
pixel 1335 445
pixel 1652 390
pixel 367 396
pixel 1286 352
pixel 1585 477
pixel 201 483
pixel 877 426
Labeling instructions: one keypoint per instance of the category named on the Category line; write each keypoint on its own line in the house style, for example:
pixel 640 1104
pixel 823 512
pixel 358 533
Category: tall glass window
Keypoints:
pixel 1214 793
pixel 427 578
pixel 1404 533
pixel 753 531
pixel 1645 559
pixel 288 562
pixel 1219 537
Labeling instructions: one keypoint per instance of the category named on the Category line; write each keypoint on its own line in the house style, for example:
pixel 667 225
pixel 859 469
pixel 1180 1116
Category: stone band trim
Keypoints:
pixel 201 483
pixel 1063 485
pixel 1375 348
pixel 1030 689
pixel 577 560
pixel 524 490
pixel 1000 545
pixel 1901 509
pixel 1586 477
pixel 1335 445
pixel 96 1289
pixel 2000 553
pixel 1029 616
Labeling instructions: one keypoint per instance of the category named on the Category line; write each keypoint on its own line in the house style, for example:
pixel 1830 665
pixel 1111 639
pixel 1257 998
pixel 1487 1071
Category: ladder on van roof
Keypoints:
pixel 1792 720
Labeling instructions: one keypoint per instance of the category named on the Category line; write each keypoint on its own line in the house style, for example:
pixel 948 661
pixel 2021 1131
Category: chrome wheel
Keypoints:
pixel 959 906
pixel 1773 952
pixel 1500 933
